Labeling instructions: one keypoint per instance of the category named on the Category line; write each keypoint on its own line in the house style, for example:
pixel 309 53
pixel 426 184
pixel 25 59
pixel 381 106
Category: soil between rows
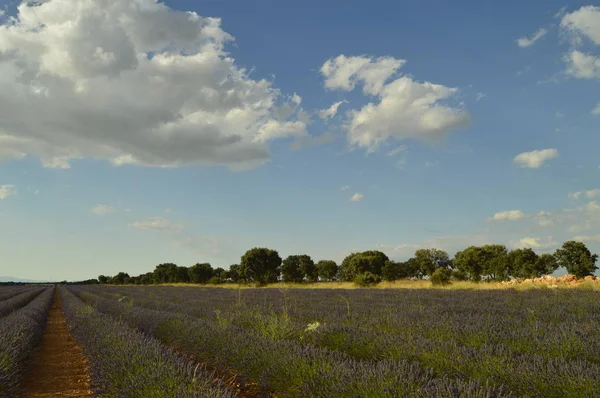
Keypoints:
pixel 58 367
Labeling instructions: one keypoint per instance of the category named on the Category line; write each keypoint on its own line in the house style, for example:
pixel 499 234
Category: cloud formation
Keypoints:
pixel 536 158
pixel 357 197
pixel 510 215
pixel 331 111
pixel 530 40
pixel 7 190
pixel 159 224
pixel 580 24
pixel 583 22
pixel 589 194
pixel 534 243
pixel 103 209
pixel 131 83
pixel 404 108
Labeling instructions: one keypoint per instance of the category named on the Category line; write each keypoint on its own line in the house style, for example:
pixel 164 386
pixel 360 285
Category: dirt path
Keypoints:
pixel 58 367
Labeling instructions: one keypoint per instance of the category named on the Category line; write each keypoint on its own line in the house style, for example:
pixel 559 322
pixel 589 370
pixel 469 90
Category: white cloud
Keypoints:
pixel 394 152
pixel 103 209
pixel 131 83
pixel 510 215
pixel 343 73
pixel 345 187
pixel 432 164
pixel 544 219
pixel 357 197
pixel 159 224
pixel 530 40
pixel 406 108
pixel 596 110
pixel 588 238
pixel 583 22
pixel 534 243
pixel 6 191
pixel 535 159
pixel 590 194
pixel 480 96
pixel 331 111
pixel 582 65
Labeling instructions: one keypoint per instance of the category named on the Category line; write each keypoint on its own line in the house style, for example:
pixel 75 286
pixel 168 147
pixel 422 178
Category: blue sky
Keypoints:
pixel 134 133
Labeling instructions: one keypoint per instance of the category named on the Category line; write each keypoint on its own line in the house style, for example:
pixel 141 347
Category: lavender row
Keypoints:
pixel 287 368
pixel 7 292
pixel 126 363
pixel 548 323
pixel 21 332
pixel 20 300
pixel 514 339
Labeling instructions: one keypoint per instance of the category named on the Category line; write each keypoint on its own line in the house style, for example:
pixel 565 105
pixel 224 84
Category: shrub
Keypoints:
pixel 441 276
pixel 367 279
pixel 458 275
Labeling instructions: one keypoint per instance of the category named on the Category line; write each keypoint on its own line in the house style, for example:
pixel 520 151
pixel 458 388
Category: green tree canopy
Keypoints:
pixel 470 261
pixel 394 270
pixel 182 275
pixel 355 264
pixel 545 265
pixel 290 269
pixel 429 260
pixel 495 265
pixel 120 279
pixel 327 270
pixel 165 273
pixel 200 273
pixel 522 263
pixel 308 268
pixel 233 273
pixel 261 265
pixel 576 258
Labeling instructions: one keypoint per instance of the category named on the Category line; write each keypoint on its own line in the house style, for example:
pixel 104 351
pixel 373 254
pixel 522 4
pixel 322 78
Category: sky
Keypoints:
pixel 134 132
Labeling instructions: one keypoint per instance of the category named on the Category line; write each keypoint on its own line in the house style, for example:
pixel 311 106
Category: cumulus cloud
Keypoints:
pixel 588 238
pixel 331 111
pixel 531 39
pixel 357 197
pixel 583 22
pixel 131 83
pixel 6 191
pixel 534 243
pixel 590 194
pixel 159 224
pixel 596 110
pixel 103 209
pixel 405 108
pixel 509 215
pixel 536 158
pixel 582 65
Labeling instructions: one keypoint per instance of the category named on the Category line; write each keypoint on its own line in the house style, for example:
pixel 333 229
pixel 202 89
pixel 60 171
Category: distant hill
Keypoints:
pixel 13 279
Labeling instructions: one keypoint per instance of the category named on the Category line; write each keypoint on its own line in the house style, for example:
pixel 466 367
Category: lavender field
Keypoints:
pixel 375 343
pixel 216 342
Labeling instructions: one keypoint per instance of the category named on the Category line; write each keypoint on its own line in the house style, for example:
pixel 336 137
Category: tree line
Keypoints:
pixel 475 263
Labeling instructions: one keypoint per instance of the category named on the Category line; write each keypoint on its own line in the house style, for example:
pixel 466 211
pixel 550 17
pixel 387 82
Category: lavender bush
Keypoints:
pixel 126 363
pixel 20 333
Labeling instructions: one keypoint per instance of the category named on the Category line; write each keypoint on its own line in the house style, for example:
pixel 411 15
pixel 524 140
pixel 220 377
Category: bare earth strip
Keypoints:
pixel 58 367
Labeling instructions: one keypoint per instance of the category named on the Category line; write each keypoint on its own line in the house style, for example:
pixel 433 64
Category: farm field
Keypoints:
pixel 163 341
